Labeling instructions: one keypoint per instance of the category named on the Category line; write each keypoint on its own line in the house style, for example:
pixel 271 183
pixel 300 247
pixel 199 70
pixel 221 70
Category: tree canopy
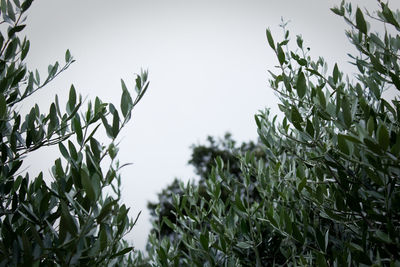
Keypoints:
pixel 328 187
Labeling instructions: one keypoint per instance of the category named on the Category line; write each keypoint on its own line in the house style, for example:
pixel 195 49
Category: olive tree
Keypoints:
pixel 202 160
pixel 74 216
pixel 329 186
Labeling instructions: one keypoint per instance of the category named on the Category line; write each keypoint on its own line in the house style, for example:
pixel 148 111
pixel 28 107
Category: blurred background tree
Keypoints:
pixel 203 160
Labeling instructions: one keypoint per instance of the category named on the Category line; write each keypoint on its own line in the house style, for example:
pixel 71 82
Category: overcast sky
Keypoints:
pixel 207 63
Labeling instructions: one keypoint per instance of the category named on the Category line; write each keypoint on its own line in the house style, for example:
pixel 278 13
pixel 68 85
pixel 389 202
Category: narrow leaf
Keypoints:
pixel 360 21
pixel 301 85
pixel 281 55
pixel 87 185
pixel 335 73
pixel 270 39
pixel 383 137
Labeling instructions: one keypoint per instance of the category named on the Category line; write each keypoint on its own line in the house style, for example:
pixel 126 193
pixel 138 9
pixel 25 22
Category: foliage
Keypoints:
pixel 329 186
pixel 202 159
pixel 68 219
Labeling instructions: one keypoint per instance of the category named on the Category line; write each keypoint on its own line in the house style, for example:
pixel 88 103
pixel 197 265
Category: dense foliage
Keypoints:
pixel 328 187
pixel 203 160
pixel 67 219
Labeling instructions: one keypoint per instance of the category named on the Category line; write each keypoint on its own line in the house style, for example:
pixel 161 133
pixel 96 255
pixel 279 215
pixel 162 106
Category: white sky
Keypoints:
pixel 207 62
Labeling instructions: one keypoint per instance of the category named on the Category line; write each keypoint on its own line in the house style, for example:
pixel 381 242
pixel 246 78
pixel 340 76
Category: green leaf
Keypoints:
pixel 382 236
pixel 383 136
pixel 302 184
pixel 10 50
pixel 360 22
pixel 122 252
pixel 337 11
pixel 162 256
pixel 72 98
pixel 63 150
pixel 270 39
pixel 301 85
pixel 297 235
pixel 138 86
pixel 377 65
pixel 395 150
pixel 126 101
pixel 66 216
pixel 105 211
pixel 3 6
pixel 239 203
pixel 374 147
pixel 67 55
pixel 107 126
pixel 3 106
pixel 78 129
pixel 95 180
pixel 244 245
pixel 321 262
pixel 17 183
pixel 10 11
pixel 356 247
pixel 25 5
pixel 15 29
pixel 346 112
pixel 296 118
pixel 315 72
pixel 299 41
pixel 371 125
pixel 342 144
pixel 281 55
pixel 320 239
pixel 204 241
pixel 169 223
pixel 87 185
pixel 96 147
pixel 17 3
pixel 1 45
pixel 103 238
pixel 37 77
pixel 286 81
pixel 53 119
pixel 395 79
pixel 387 13
pixel 52 70
pixel 27 245
pixel 321 97
pixel 326 239
pixel 310 128
pixel 351 138
pixel 115 125
pixel 335 74
pixel 122 213
pixel 72 150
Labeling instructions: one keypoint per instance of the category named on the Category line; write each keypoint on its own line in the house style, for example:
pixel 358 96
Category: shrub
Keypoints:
pixel 69 219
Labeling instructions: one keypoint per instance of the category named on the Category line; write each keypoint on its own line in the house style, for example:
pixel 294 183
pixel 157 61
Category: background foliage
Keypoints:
pixel 75 216
pixel 328 187
pixel 203 160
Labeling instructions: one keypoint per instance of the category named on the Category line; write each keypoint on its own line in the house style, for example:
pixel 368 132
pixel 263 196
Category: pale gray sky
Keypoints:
pixel 207 62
